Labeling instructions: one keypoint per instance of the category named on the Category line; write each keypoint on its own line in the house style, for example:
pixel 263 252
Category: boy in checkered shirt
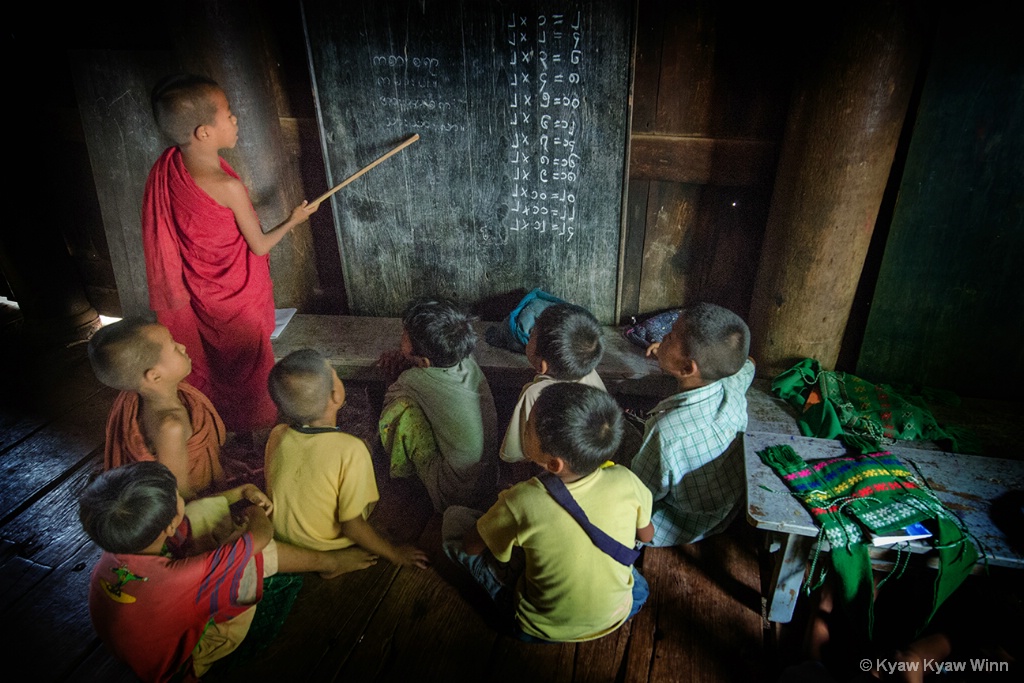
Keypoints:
pixel 691 458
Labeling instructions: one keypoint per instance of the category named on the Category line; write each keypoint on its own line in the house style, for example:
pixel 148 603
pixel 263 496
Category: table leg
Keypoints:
pixel 788 574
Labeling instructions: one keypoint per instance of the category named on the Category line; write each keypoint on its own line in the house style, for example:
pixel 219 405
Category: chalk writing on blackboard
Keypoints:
pixel 543 116
pixel 418 108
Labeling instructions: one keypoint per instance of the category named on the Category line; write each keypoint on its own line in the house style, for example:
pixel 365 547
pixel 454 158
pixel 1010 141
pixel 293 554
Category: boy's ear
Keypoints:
pixel 200 133
pixel 554 465
pixel 543 367
pixel 692 369
pixel 685 370
pixel 151 375
pixel 421 361
pixel 688 368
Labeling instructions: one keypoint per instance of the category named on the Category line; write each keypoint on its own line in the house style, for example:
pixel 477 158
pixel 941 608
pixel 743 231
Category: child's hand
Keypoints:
pixel 303 211
pixel 410 556
pixel 652 350
pixel 252 494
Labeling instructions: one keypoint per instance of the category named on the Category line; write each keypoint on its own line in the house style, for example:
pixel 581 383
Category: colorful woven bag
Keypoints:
pixel 852 497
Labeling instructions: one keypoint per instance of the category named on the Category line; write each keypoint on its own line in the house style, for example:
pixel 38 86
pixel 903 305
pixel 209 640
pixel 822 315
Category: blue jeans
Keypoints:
pixel 499 579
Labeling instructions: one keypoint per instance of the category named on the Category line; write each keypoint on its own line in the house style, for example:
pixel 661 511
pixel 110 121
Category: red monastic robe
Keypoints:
pixel 126 443
pixel 211 291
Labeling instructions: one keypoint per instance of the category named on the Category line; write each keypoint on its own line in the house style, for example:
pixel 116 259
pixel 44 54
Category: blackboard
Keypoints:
pixel 517 179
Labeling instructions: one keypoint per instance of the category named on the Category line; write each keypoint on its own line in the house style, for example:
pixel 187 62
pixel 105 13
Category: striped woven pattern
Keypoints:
pixel 876 491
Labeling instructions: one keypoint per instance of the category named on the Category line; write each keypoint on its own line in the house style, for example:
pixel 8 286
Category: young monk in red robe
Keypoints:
pixel 206 253
pixel 157 416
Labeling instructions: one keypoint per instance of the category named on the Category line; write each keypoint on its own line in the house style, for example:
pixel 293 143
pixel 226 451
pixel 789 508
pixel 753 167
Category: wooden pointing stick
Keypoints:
pixel 364 169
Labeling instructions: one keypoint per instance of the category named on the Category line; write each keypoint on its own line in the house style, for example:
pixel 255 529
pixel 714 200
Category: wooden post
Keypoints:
pixel 845 119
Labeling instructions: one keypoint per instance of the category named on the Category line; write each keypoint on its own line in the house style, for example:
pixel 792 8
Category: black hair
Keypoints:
pixel 716 338
pixel 301 385
pixel 182 103
pixel 125 509
pixel 440 331
pixel 578 423
pixel 569 339
pixel 121 352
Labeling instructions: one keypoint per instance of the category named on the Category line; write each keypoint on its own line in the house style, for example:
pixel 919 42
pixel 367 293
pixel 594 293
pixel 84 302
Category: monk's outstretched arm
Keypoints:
pixel 236 198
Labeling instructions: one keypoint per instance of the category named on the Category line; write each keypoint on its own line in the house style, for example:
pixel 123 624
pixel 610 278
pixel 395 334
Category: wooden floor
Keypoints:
pixel 701 623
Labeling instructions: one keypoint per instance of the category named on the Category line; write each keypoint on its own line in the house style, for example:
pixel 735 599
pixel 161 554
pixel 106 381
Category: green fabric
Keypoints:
pixel 279 594
pixel 852 495
pixel 863 415
pixel 407 437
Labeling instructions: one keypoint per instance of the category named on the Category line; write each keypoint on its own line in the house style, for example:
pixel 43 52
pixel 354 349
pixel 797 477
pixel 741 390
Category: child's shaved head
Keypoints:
pixel 301 385
pixel 121 353
pixel 182 103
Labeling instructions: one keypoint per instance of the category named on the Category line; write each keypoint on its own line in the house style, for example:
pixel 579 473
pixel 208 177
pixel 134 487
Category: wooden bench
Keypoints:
pixel 353 344
pixel 965 484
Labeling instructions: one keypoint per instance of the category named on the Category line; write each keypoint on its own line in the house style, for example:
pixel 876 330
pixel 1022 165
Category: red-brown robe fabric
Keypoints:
pixel 211 291
pixel 126 443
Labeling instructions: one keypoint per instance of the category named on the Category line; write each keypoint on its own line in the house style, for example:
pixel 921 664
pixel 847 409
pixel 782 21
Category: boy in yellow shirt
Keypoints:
pixel 532 544
pixel 319 478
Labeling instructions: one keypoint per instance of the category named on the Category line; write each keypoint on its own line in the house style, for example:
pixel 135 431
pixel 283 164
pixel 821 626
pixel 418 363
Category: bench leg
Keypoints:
pixel 787 574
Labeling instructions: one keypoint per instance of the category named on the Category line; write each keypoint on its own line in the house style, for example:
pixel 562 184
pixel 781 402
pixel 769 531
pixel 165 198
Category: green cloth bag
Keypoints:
pixel 851 496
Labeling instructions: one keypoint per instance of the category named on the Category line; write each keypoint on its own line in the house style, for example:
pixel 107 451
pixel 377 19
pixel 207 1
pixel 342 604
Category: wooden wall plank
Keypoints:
pixel 948 308
pixel 633 248
pixel 726 246
pixel 647 53
pixel 703 161
pixel 686 83
pixel 113 98
pixel 671 210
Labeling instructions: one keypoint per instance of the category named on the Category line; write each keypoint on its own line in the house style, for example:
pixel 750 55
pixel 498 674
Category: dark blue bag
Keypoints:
pixel 652 329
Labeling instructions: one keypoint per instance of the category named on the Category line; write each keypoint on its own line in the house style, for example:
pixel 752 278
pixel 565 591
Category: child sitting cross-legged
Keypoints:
pixel 556 552
pixel 319 478
pixel 565 345
pixel 439 420
pixel 177 587
pixel 691 457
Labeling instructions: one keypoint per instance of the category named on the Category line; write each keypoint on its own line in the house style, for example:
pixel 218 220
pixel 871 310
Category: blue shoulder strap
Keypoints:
pixel 620 553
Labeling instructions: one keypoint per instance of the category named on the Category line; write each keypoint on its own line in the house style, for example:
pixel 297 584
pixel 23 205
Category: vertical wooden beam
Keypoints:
pixel 845 118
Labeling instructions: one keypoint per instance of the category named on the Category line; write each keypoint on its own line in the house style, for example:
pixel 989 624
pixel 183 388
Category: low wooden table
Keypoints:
pixel 966 485
pixel 354 343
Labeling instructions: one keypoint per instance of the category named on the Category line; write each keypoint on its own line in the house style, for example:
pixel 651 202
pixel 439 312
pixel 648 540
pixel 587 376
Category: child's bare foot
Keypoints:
pixel 348 560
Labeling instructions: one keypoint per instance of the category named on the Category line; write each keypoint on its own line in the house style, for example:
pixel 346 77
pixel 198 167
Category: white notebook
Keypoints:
pixel 282 316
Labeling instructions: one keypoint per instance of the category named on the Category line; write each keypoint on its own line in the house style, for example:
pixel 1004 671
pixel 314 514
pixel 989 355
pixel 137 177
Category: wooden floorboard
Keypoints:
pixel 33 466
pixel 52 618
pixel 323 626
